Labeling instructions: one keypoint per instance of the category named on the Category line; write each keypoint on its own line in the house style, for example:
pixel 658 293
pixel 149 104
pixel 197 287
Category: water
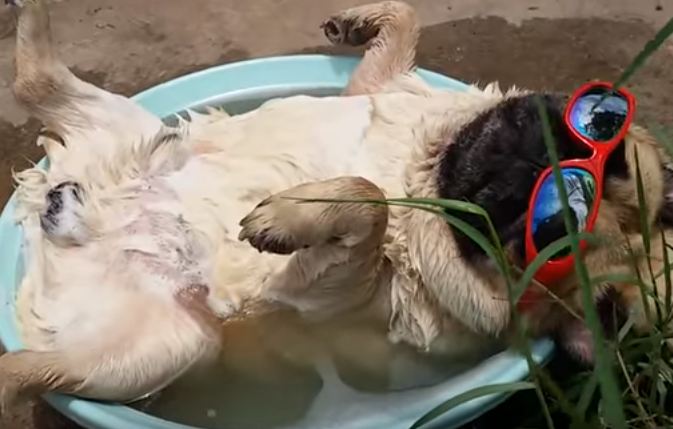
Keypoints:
pixel 278 372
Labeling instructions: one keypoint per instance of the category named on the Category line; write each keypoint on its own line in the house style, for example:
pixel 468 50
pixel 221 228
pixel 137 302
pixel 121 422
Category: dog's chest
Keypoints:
pixel 161 247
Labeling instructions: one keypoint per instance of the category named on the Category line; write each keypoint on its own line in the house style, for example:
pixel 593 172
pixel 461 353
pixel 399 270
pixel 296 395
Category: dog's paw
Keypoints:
pixel 347 28
pixel 268 227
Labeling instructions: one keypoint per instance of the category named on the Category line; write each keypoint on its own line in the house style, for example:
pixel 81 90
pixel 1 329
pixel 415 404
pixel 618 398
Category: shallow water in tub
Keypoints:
pixel 277 372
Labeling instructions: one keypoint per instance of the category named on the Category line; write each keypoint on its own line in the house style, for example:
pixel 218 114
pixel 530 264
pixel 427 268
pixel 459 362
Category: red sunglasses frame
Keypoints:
pixel 555 270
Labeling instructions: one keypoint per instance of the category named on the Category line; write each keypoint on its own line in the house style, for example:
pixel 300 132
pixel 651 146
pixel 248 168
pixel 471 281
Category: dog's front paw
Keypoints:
pixel 347 28
pixel 269 227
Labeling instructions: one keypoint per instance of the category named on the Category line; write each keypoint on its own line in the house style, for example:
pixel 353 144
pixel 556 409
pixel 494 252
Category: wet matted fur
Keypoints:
pixel 143 239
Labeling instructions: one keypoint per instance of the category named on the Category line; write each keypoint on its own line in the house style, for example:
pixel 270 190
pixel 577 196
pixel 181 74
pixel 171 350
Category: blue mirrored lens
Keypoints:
pixel 599 114
pixel 548 224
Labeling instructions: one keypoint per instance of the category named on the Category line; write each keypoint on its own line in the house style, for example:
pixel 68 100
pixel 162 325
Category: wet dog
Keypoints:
pixel 142 239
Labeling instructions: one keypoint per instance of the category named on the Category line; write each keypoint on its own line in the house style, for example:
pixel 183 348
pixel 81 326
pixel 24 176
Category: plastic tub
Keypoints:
pixel 242 86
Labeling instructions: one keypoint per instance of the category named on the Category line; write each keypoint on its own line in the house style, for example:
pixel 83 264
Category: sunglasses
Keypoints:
pixel 598 117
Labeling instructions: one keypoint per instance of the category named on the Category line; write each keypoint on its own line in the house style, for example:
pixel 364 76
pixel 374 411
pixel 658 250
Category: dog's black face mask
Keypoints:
pixel 495 160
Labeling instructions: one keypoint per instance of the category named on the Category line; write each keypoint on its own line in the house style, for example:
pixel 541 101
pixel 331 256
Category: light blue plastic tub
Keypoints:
pixel 244 85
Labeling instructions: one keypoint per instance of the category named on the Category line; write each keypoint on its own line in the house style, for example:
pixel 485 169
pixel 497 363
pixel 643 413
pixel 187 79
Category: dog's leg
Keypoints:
pixel 338 259
pixel 29 372
pixel 51 92
pixel 390 31
pixel 124 359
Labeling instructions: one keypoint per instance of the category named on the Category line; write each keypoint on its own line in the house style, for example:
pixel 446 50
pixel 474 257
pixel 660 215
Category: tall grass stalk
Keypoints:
pixel 604 362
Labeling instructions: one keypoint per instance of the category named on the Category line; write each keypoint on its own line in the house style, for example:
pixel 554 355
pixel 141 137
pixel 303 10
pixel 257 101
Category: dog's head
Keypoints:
pixel 495 160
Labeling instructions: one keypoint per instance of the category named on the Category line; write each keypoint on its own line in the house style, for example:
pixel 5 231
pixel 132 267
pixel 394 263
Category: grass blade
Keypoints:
pixel 645 231
pixel 625 329
pixel 439 208
pixel 667 276
pixel 642 205
pixel 465 207
pixel 614 278
pixel 587 395
pixel 543 256
pixel 645 53
pixel 461 206
pixel 614 409
pixel 470 395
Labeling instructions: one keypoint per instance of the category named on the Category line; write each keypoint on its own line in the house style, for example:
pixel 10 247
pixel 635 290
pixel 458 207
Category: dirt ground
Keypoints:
pixel 130 45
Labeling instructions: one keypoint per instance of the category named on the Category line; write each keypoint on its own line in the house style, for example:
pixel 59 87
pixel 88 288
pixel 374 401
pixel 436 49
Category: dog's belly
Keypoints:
pixel 244 159
pixel 240 161
pixel 152 258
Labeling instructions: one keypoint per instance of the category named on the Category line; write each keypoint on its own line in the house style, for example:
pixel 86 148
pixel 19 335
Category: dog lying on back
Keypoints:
pixel 142 239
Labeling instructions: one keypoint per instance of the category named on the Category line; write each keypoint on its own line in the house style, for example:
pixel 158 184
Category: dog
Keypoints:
pixel 143 239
